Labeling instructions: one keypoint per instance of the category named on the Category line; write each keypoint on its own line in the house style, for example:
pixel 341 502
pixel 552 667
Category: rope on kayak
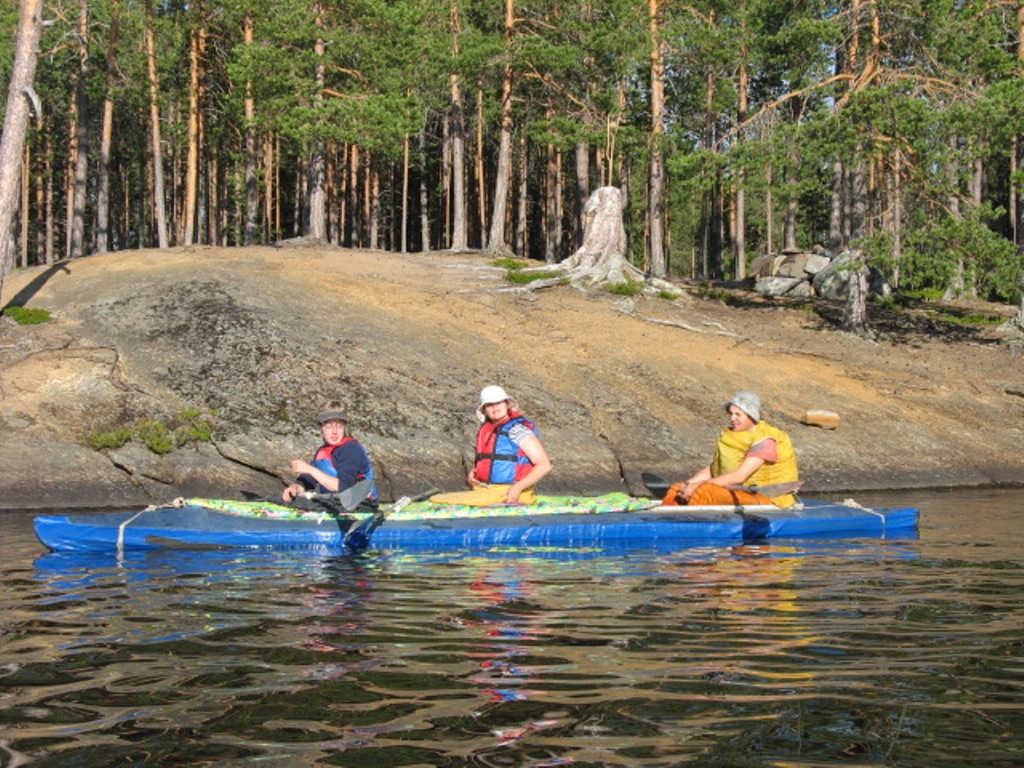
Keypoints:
pixel 122 526
pixel 858 505
pixel 178 502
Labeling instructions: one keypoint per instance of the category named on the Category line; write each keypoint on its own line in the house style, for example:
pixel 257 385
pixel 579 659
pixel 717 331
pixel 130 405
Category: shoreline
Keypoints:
pixel 260 337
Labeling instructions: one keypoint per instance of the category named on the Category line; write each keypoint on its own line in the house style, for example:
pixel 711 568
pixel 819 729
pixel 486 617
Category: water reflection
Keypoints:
pixel 872 652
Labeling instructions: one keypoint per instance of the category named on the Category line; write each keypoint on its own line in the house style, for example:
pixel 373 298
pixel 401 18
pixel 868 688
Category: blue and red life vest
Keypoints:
pixel 500 461
pixel 324 461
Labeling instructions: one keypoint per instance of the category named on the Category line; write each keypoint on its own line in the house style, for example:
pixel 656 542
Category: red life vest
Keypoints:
pixel 324 461
pixel 499 460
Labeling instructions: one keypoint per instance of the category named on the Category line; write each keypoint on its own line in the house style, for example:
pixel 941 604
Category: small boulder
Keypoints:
pixel 823 419
pixel 793 265
pixel 776 286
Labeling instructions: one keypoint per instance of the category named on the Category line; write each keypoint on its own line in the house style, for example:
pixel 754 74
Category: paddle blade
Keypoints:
pixel 352 497
pixel 771 491
pixel 657 485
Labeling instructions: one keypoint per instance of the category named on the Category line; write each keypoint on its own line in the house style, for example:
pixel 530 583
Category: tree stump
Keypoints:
pixel 602 257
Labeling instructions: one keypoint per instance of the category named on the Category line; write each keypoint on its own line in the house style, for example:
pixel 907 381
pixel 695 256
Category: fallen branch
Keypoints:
pixel 687 327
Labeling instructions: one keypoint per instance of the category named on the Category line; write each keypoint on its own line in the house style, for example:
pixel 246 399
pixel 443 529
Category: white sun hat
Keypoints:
pixel 493 394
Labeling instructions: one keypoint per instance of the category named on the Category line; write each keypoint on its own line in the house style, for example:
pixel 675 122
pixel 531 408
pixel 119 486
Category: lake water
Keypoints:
pixel 842 653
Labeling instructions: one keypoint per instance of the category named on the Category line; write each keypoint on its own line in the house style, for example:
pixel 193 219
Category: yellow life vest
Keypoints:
pixel 732 450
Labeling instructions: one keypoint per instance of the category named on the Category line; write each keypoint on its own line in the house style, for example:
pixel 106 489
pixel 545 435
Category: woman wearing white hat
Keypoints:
pixel 750 452
pixel 510 459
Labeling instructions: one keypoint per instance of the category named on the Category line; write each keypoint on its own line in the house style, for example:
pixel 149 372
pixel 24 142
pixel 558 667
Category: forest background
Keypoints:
pixel 733 128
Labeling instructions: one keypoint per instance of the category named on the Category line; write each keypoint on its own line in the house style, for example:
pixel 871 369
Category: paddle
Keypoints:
pixel 341 502
pixel 659 486
pixel 656 484
pixel 358 537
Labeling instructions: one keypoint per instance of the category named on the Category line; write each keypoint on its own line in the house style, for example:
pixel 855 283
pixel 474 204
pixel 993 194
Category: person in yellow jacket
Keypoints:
pixel 750 453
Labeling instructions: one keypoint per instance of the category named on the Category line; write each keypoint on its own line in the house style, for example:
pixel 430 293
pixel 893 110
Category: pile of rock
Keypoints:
pixel 794 272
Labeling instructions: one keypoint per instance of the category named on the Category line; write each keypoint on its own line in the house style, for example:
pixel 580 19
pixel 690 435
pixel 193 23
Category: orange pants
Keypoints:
pixel 711 495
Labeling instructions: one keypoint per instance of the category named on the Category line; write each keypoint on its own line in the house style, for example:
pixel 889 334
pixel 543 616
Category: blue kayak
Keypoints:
pixel 614 521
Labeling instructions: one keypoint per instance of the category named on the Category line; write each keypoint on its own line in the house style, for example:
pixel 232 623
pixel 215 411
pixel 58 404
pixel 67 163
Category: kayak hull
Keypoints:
pixel 198 526
pixel 185 527
pixel 653 528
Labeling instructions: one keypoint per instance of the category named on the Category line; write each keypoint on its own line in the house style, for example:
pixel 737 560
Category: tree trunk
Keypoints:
pixel 855 312
pixel 836 226
pixel 277 202
pixel 205 151
pixel 316 204
pixel 20 94
pixel 404 237
pixel 739 219
pixel 43 177
pixel 457 124
pixel 478 169
pixel 718 225
pixel 896 223
pixel 523 201
pixel 582 190
pixel 251 149
pixel 192 162
pixel 159 206
pixel 373 202
pixel 25 186
pixel 331 158
pixel 1017 149
pixel 106 136
pixel 552 207
pixel 792 205
pixel 316 222
pixel 656 177
pixel 51 226
pixel 354 165
pixel 271 186
pixel 859 197
pixel 496 242
pixel 77 207
pixel 707 222
pixel 426 238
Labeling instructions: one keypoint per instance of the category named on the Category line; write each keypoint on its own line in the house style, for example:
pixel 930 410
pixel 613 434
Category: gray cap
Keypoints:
pixel 329 415
pixel 748 402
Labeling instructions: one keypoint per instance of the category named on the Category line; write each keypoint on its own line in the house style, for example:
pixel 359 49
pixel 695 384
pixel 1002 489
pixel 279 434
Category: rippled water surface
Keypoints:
pixel 851 653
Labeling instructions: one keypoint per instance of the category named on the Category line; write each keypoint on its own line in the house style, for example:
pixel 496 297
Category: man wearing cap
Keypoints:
pixel 340 462
pixel 749 452
pixel 510 459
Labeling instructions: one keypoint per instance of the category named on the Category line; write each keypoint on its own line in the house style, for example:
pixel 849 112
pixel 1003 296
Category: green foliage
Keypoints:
pixel 516 274
pixel 509 263
pixel 972 319
pixel 362 82
pixel 925 294
pixel 28 315
pixel 189 427
pixel 194 427
pixel 964 257
pixel 115 438
pixel 519 277
pixel 627 288
pixel 156 436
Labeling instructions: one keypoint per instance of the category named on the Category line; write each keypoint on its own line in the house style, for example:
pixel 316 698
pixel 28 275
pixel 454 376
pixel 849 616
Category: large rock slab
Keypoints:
pixel 258 338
